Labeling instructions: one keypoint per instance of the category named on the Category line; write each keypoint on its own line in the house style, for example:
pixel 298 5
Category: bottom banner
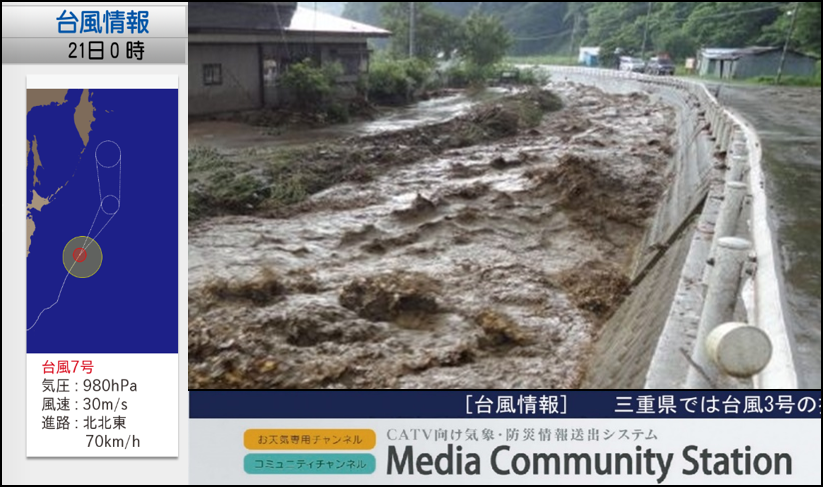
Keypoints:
pixel 654 451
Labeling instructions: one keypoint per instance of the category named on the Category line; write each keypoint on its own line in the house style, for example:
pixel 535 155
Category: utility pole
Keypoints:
pixel 795 15
pixel 572 52
pixel 412 21
pixel 646 31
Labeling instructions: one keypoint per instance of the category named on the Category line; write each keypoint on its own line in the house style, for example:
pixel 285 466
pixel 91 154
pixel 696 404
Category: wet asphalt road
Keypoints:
pixel 788 121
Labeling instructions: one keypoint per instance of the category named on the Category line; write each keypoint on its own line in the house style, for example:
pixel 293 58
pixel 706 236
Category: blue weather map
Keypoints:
pixel 101 221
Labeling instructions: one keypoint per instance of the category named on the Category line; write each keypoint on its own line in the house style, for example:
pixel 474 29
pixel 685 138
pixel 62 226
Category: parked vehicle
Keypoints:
pixel 632 64
pixel 660 66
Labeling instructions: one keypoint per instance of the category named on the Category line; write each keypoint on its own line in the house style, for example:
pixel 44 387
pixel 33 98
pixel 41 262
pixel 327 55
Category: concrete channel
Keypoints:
pixel 660 336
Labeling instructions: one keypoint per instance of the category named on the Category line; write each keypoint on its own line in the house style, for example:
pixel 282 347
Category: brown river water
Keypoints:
pixel 490 266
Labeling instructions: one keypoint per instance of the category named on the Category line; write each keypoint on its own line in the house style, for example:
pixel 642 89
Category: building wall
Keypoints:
pixel 712 67
pixel 353 55
pixel 591 60
pixel 240 89
pixel 705 66
pixel 727 68
pixel 768 64
pixel 250 72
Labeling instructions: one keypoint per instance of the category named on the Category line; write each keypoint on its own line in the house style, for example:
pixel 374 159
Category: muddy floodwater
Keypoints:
pixel 232 136
pixel 487 266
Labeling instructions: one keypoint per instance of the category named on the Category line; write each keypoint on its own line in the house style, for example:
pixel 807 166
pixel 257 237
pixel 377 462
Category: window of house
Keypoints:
pixel 212 74
pixel 351 64
pixel 270 72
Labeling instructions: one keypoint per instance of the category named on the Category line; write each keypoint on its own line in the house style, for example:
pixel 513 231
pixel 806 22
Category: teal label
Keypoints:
pixel 309 464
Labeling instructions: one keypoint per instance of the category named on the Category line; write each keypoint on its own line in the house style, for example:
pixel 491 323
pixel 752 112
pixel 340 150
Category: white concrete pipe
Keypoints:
pixel 727 219
pixel 721 129
pixel 740 146
pixel 730 210
pixel 739 350
pixel 737 168
pixel 726 136
pixel 718 308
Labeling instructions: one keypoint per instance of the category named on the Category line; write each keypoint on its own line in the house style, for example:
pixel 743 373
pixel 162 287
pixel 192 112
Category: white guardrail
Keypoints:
pixel 762 349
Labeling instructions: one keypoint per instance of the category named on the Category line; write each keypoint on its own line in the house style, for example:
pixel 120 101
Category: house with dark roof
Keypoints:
pixel 239 50
pixel 753 62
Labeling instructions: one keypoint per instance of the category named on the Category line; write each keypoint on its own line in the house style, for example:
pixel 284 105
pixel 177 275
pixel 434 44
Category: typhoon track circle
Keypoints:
pixel 107 159
pixel 110 205
pixel 82 257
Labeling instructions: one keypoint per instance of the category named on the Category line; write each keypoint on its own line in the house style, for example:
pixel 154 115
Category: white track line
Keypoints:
pixel 86 242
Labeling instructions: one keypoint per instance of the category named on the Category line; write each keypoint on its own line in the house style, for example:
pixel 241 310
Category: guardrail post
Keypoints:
pixel 715 121
pixel 733 196
pixel 740 145
pixel 738 160
pixel 722 131
pixel 718 308
pixel 725 137
pixel 737 168
pixel 718 132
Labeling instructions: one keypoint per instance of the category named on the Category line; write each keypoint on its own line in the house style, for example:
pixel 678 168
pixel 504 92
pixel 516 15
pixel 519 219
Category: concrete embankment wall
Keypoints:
pixel 627 342
pixel 650 340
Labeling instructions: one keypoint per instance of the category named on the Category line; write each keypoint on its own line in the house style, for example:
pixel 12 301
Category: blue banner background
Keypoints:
pixel 457 404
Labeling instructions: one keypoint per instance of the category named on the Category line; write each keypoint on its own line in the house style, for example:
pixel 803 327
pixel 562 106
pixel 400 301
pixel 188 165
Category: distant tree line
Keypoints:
pixel 679 28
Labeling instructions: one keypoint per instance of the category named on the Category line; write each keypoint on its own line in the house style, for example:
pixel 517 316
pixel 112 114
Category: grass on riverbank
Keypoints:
pixel 272 181
pixel 800 81
pixel 797 81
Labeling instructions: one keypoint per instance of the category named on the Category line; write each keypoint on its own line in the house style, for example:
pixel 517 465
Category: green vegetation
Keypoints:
pixel 807 30
pixel 396 81
pixel 531 21
pixel 545 60
pixel 485 40
pixel 789 80
pixel 679 28
pixel 274 180
pixel 532 108
pixel 461 75
pixel 218 185
pixel 468 75
pixel 479 42
pixel 310 84
pixel 214 182
pixel 510 73
pixel 435 32
pixel 311 90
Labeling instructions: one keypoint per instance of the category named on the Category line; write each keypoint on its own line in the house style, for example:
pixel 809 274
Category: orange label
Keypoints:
pixel 309 439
